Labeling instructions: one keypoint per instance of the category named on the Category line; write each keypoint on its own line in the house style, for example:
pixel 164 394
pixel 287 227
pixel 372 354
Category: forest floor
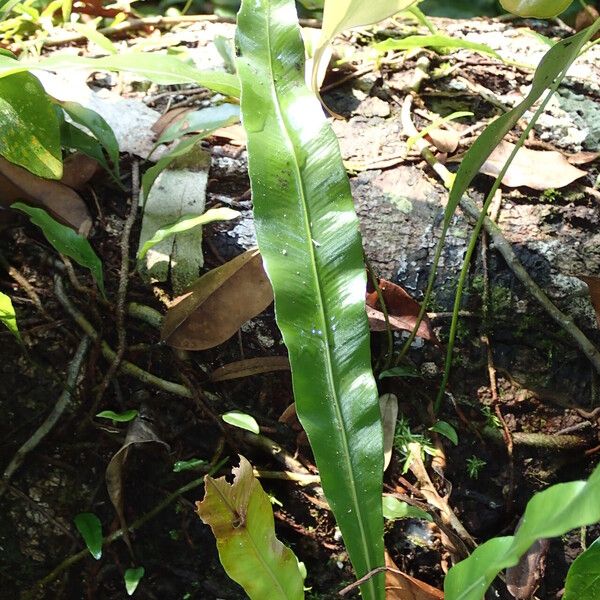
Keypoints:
pixel 522 397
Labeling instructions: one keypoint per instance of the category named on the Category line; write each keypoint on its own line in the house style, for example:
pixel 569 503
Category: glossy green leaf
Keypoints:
pixel 583 578
pixel 98 127
pixel 241 517
pixel 446 430
pixel 308 235
pixel 203 121
pixel 548 514
pixel 401 371
pixel 190 465
pixel 339 15
pixel 186 223
pixel 540 9
pixel 90 528
pixel 7 315
pixel 132 579
pixel 29 128
pixel 438 41
pixel 159 68
pixel 396 509
pixel 241 420
pixel 66 241
pixel 123 417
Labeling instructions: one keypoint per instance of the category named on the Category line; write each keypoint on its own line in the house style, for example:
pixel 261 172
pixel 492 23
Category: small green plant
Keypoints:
pixel 406 442
pixel 474 466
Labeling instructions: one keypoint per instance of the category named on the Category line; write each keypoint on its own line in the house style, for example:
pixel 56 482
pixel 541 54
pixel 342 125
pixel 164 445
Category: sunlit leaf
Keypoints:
pixel 307 231
pixel 396 509
pixel 66 241
pixel 7 315
pixel 583 578
pixel 90 528
pixel 540 9
pixel 241 420
pixel 132 579
pixel 123 417
pixel 241 517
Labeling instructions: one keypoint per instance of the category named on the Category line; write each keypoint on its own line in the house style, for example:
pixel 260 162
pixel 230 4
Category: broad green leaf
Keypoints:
pixel 308 235
pixel 446 430
pixel 204 121
pixel 548 514
pixel 132 579
pixel 123 417
pixel 437 41
pixel 396 509
pixel 159 68
pixel 29 128
pixel 66 241
pixel 7 315
pixel 90 528
pixel 241 420
pixel 241 517
pixel 186 223
pixel 339 15
pixel 98 127
pixel 583 578
pixel 540 9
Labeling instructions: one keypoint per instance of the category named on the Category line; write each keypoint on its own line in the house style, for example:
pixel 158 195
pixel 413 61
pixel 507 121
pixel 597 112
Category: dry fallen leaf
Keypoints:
pixel 593 284
pixel 388 403
pixel 234 134
pixel 537 169
pixel 78 170
pixel 402 309
pixel 218 304
pixel 523 580
pixel 445 140
pixel 170 118
pixel 250 367
pixel 59 200
pixel 400 586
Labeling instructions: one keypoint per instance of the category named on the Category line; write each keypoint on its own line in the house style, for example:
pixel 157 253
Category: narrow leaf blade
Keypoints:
pixel 7 315
pixel 90 528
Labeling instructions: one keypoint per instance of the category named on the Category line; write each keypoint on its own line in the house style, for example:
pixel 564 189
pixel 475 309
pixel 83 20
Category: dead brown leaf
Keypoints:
pixel 61 201
pixel 234 134
pixel 400 586
pixel 537 169
pixel 402 309
pixel 170 118
pixel 140 431
pixel 218 304
pixel 388 404
pixel 583 158
pixel 523 580
pixel 593 284
pixel 78 170
pixel 250 367
pixel 445 140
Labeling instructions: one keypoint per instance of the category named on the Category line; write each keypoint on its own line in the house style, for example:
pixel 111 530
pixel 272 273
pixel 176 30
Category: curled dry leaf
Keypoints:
pixel 218 304
pixel 169 118
pixel 539 170
pixel 593 284
pixel 445 140
pixel 400 586
pixel 523 580
pixel 61 201
pixel 250 367
pixel 402 309
pixel 140 431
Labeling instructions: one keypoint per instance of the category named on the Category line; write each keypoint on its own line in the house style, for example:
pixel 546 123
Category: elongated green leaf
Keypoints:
pixel 90 528
pixel 132 579
pixel 159 68
pixel 123 417
pixel 29 128
pixel 186 223
pixel 7 314
pixel 307 232
pixel 540 9
pixel 583 578
pixel 95 36
pixel 550 513
pixel 344 14
pixel 446 430
pixel 66 241
pixel 396 509
pixel 241 518
pixel 241 420
pixel 438 41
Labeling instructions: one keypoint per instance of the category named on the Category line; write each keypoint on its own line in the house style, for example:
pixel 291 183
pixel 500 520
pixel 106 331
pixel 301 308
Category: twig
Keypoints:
pixel 52 418
pixel 122 290
pixel 27 287
pixel 301 478
pixel 544 441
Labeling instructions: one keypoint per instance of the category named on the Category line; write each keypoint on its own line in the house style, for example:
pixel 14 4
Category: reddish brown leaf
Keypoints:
pixel 402 309
pixel 170 118
pixel 250 367
pixel 60 200
pixel 218 304
pixel 78 170
pixel 523 580
pixel 234 134
pixel 400 586
pixel 593 284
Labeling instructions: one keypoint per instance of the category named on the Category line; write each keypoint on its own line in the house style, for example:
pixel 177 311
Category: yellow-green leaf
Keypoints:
pixel 539 9
pixel 7 314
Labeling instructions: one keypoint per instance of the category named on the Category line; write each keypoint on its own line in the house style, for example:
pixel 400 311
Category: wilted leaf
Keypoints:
pixel 241 518
pixel 400 586
pixel 583 578
pixel 7 315
pixel 524 578
pixel 396 509
pixel 132 579
pixel 123 417
pixel 186 223
pixel 90 528
pixel 388 403
pixel 241 420
pixel 593 284
pixel 66 241
pixel 140 431
pixel 63 202
pixel 218 304
pixel 29 130
pixel 537 169
pixel 250 367
pixel 402 309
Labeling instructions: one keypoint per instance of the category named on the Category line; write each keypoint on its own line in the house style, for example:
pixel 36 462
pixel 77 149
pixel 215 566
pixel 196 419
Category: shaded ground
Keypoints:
pixel 545 385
